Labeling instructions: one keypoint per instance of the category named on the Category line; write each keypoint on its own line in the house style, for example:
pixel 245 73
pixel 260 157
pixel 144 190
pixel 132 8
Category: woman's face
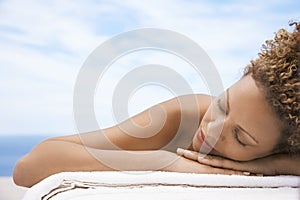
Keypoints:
pixel 239 124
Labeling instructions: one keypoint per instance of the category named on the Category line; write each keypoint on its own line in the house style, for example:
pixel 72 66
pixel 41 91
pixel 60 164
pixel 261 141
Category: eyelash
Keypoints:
pixel 235 132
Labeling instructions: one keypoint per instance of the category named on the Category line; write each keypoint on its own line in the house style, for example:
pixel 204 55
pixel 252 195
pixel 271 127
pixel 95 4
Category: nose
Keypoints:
pixel 216 129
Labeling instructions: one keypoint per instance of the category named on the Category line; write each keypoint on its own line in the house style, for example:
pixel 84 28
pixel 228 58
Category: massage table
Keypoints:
pixel 163 185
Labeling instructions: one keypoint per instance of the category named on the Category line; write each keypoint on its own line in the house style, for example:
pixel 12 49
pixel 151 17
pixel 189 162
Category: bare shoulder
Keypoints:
pixel 147 130
pixel 202 100
pixel 188 111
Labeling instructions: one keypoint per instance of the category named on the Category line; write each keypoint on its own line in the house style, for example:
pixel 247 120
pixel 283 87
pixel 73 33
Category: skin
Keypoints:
pixel 147 141
pixel 242 120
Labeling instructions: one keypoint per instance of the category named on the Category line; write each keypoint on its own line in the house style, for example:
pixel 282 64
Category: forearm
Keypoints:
pixel 288 164
pixel 277 164
pixel 51 157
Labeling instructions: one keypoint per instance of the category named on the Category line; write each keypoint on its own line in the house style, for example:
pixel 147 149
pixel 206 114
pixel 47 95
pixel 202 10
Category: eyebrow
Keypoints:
pixel 228 109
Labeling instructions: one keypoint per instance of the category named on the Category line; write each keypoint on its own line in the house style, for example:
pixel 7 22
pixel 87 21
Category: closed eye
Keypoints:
pixel 236 136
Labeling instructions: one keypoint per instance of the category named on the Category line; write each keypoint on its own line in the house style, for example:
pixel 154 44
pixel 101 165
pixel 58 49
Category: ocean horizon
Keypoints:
pixel 13 147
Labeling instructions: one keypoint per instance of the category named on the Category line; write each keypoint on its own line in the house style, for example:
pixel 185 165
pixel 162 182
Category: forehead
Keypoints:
pixel 250 110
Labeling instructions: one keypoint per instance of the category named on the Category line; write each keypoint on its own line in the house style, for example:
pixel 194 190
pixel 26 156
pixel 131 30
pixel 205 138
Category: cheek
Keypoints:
pixel 242 156
pixel 216 131
pixel 223 145
pixel 222 138
pixel 235 152
pixel 229 148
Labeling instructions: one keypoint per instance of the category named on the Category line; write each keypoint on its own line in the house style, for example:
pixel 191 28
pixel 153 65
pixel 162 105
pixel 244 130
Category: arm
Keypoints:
pixel 68 153
pixel 51 157
pixel 277 164
pixel 158 128
pixel 153 128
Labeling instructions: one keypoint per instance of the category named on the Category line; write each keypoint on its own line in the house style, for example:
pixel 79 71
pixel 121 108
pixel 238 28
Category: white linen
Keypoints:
pixel 163 185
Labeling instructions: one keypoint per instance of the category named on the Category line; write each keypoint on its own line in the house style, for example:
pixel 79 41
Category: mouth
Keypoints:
pixel 204 144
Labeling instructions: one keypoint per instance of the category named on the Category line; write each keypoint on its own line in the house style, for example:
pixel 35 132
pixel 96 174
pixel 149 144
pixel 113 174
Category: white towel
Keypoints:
pixel 162 185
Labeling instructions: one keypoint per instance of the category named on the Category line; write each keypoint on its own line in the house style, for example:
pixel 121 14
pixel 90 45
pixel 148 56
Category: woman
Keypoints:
pixel 253 127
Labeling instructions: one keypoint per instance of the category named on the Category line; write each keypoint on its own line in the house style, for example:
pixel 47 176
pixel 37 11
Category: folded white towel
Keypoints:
pixel 171 185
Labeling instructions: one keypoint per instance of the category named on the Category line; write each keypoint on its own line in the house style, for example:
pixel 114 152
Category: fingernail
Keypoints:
pixel 180 151
pixel 188 152
pixel 246 173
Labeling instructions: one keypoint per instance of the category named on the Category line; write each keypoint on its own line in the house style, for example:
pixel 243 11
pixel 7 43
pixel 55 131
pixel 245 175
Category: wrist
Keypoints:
pixel 169 159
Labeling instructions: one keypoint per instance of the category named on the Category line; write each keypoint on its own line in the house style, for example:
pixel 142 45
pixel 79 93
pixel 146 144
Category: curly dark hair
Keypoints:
pixel 277 72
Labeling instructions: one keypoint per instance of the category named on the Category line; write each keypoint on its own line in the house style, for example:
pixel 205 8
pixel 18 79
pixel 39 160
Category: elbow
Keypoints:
pixel 37 165
pixel 29 169
pixel 21 172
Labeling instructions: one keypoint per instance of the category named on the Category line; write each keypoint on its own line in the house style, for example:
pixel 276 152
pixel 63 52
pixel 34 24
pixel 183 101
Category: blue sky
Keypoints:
pixel 44 44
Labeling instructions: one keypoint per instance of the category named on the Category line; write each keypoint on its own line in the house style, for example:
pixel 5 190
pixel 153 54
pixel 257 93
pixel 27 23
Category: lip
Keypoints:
pixel 201 138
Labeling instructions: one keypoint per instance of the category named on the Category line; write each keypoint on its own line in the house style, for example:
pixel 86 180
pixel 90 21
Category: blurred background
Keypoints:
pixel 45 43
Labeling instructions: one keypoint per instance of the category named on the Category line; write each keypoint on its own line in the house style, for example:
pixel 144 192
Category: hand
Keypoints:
pixel 263 166
pixel 187 165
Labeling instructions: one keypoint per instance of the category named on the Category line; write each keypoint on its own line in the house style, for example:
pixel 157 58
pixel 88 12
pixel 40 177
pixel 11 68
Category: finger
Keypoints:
pixel 244 167
pixel 223 163
pixel 220 162
pixel 192 155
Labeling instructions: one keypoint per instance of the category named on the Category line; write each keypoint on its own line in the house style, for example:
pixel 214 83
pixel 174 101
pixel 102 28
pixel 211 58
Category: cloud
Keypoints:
pixel 44 43
pixel 233 30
